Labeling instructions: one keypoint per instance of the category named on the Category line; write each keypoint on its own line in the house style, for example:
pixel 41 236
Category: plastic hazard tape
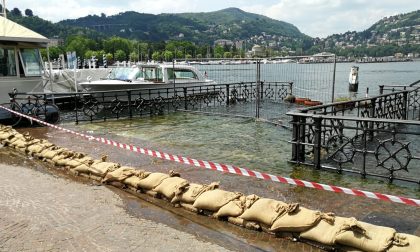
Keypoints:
pixel 230 168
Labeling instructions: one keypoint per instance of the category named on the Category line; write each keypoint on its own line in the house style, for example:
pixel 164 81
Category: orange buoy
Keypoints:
pixel 301 100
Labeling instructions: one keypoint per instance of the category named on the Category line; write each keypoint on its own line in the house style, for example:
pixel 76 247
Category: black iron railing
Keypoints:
pixel 377 136
pixel 90 106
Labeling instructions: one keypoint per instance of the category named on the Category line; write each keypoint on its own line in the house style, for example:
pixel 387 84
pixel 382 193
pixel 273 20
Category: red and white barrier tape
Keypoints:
pixel 230 168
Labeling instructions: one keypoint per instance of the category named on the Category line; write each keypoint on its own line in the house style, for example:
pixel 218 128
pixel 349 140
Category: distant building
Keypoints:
pixel 55 42
pixel 258 51
pixel 223 42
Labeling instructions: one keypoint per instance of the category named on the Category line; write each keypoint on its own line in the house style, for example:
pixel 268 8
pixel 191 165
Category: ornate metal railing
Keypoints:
pixel 377 136
pixel 90 106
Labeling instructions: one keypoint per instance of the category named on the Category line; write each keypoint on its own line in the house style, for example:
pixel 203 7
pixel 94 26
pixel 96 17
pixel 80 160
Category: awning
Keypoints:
pixel 13 32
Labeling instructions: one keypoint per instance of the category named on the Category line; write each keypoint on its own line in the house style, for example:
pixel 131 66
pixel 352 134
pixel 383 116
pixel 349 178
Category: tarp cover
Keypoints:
pixel 11 31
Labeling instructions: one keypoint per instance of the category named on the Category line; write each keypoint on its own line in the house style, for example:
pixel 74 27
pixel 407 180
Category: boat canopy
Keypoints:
pixel 13 32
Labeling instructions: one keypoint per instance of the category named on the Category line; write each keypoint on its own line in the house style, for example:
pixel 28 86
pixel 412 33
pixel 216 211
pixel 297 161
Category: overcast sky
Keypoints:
pixel 316 18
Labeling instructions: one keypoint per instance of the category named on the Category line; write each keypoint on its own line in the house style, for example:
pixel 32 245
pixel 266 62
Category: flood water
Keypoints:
pixel 243 142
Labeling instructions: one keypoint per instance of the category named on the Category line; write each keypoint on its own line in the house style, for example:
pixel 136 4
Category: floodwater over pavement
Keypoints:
pixel 242 142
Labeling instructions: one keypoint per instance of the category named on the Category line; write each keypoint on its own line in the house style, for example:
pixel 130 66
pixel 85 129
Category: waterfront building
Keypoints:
pixel 20 58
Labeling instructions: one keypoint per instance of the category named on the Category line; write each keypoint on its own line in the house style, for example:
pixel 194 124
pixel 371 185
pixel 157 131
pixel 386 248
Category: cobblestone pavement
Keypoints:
pixel 42 212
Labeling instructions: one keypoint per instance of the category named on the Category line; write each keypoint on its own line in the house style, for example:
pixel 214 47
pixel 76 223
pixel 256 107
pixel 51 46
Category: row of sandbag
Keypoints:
pixel 250 211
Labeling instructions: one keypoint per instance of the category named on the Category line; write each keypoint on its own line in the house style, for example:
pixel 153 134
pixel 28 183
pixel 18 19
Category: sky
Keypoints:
pixel 316 18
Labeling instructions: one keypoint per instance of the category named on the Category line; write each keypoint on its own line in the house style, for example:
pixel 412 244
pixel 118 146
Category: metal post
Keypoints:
pixel 185 98
pixel 405 102
pixel 317 142
pixel 257 106
pixel 130 111
pixel 333 86
pixel 381 89
pixel 227 95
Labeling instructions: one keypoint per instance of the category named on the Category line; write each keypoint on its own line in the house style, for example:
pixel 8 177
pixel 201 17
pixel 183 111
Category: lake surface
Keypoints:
pixel 316 80
pixel 254 144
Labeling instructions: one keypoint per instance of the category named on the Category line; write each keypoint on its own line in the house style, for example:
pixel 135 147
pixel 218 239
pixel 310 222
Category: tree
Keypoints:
pixel 156 56
pixel 133 56
pixel 29 13
pixel 120 55
pixel 227 55
pixel 16 12
pixel 168 55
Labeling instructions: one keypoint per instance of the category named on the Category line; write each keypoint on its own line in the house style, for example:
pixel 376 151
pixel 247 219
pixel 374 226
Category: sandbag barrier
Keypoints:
pixel 230 168
pixel 249 211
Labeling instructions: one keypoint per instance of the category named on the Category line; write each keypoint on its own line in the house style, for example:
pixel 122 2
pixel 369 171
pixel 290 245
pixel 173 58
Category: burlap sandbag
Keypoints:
pixel 366 237
pixel 236 207
pixel 325 231
pixel 299 220
pixel 191 193
pixel 81 169
pixel 79 159
pixel 39 147
pixel 405 243
pixel 151 181
pixel 100 169
pixel 51 152
pixel 213 200
pixel 171 186
pixel 119 174
pixel 6 132
pixel 13 138
pixel 265 211
pixel 134 181
pixel 61 159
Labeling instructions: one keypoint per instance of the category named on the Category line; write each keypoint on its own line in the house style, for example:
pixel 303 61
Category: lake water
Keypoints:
pixel 255 144
pixel 316 80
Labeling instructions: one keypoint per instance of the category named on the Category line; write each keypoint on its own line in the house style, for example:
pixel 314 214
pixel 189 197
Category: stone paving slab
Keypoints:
pixel 42 212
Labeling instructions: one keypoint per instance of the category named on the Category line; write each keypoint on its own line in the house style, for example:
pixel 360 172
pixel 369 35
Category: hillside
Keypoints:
pixel 385 37
pixel 206 27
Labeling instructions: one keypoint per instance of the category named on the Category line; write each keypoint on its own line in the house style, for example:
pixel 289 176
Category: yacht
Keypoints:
pixel 148 76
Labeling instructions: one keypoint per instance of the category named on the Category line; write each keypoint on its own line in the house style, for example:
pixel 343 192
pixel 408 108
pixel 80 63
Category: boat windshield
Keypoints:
pixel 153 74
pixel 126 73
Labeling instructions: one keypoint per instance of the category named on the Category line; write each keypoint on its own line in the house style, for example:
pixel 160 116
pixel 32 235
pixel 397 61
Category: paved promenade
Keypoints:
pixel 42 212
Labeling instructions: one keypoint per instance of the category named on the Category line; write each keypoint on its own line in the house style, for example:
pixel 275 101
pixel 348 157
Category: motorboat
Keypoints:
pixel 148 76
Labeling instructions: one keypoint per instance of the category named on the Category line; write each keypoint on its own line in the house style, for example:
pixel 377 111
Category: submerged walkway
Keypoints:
pixel 42 212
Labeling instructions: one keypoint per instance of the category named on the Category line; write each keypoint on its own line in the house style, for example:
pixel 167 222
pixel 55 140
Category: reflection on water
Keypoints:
pixel 238 141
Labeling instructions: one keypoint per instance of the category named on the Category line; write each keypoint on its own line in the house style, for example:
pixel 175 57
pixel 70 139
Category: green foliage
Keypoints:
pixel 120 55
pixel 29 13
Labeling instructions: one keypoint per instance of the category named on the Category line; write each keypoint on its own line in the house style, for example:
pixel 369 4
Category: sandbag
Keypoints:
pixel 236 207
pixel 244 223
pixel 51 152
pixel 39 147
pixel 366 237
pixel 191 193
pixel 7 132
pixel 151 181
pixel 213 200
pixel 404 243
pixel 119 174
pixel 172 186
pixel 79 159
pixel 61 159
pixel 264 211
pixel 325 231
pixel 99 168
pixel 134 181
pixel 82 168
pixel 232 209
pixel 300 219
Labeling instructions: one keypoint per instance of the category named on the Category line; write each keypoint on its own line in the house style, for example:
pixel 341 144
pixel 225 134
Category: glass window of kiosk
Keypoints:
pixel 7 62
pixel 31 59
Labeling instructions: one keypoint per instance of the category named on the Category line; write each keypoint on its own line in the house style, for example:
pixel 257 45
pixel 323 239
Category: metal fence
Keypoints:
pixel 377 136
pixel 90 106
